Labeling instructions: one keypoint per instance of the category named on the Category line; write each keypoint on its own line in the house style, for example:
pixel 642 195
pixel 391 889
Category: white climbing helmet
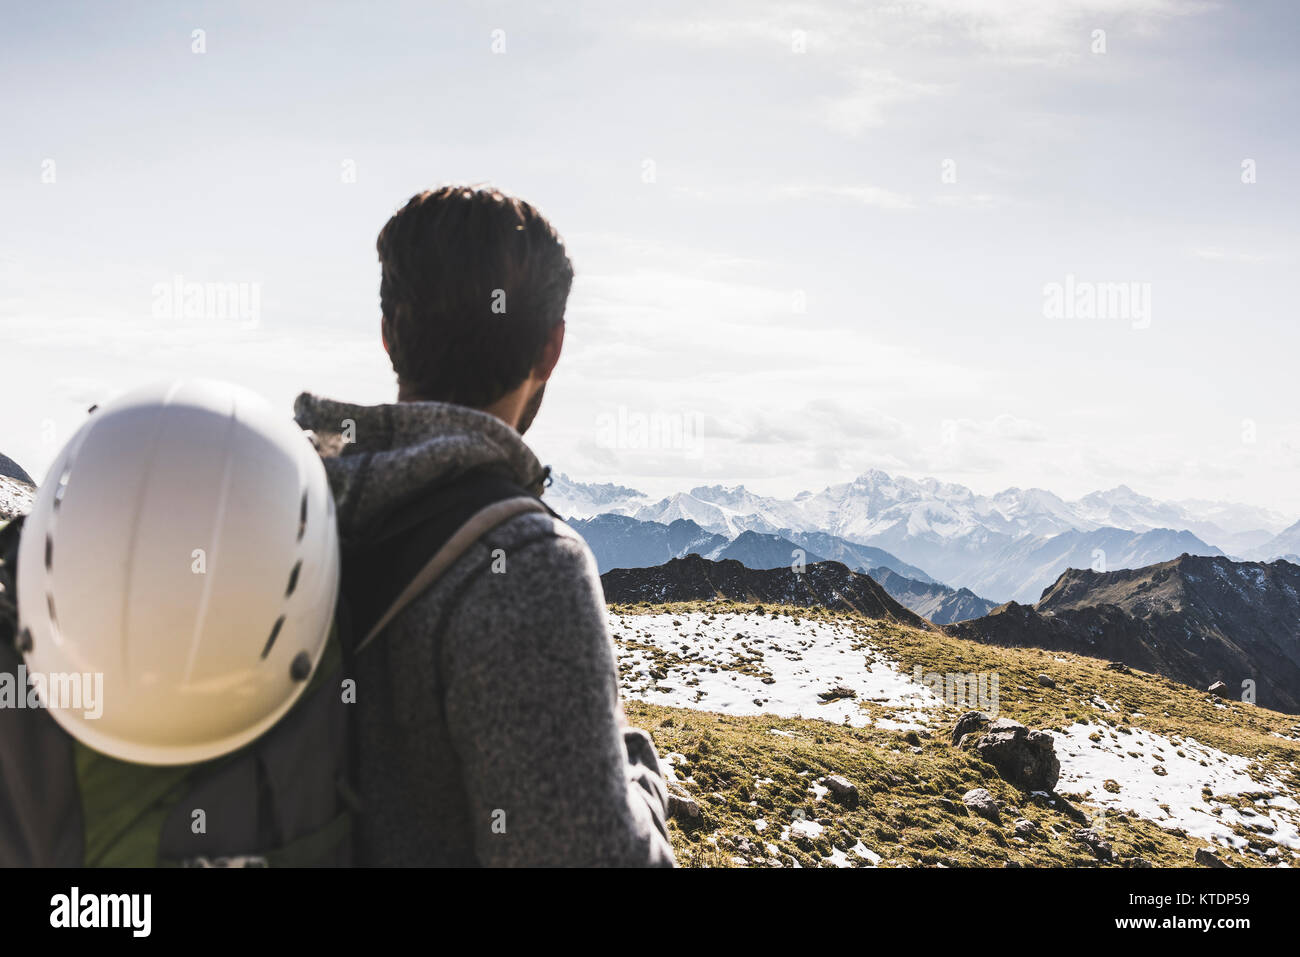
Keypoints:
pixel 184 548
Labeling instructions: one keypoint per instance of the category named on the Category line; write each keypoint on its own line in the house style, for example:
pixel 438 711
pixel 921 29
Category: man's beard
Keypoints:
pixel 530 410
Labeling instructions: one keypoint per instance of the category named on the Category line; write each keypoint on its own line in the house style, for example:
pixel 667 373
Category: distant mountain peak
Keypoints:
pixel 693 578
pixel 11 469
pixel 728 490
pixel 1011 544
pixel 937 602
pixel 1194 618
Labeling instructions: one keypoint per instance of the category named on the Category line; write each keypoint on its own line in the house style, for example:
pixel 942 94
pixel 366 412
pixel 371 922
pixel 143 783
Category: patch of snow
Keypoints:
pixel 865 853
pixel 838 858
pixel 806 828
pixel 702 655
pixel 1087 765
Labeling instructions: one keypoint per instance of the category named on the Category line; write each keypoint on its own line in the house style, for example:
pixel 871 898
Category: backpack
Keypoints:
pixel 287 799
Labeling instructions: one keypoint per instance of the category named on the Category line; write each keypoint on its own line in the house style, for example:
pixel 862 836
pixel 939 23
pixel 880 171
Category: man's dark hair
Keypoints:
pixel 473 283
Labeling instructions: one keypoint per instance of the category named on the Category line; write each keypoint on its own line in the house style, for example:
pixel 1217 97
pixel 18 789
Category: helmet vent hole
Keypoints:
pixel 61 488
pixel 49 603
pixel 302 517
pixel 49 553
pixel 300 667
pixel 293 579
pixel 275 633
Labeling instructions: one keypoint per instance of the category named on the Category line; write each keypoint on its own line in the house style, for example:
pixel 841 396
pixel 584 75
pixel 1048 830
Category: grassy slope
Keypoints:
pixel 901 776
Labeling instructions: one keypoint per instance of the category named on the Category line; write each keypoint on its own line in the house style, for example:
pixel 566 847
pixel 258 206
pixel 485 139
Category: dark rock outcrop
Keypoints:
pixel 1024 758
pixel 969 723
pixel 825 584
pixel 842 789
pixel 1197 620
pixel 11 469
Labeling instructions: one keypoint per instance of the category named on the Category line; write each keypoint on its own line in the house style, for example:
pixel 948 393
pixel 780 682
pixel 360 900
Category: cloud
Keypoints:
pixel 866 195
pixel 1027 29
pixel 871 94
pixel 46 398
pixel 976 201
pixel 819 422
pixel 1218 254
pixel 1014 28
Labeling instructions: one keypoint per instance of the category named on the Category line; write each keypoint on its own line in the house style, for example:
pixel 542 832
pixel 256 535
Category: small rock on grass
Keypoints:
pixel 843 790
pixel 1095 843
pixel 981 802
pixel 681 805
pixel 1025 828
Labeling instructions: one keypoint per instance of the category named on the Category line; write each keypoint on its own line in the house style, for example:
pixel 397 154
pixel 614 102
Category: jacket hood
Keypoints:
pixel 380 457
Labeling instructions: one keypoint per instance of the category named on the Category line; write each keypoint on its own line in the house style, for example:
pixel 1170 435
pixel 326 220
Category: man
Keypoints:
pixel 490 725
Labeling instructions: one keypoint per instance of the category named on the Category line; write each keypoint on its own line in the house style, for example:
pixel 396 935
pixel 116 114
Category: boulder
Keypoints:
pixel 1094 842
pixel 1025 828
pixel 1207 858
pixel 1024 758
pixel 1046 681
pixel 842 789
pixel 981 802
pixel 1218 688
pixel 968 723
pixel 681 805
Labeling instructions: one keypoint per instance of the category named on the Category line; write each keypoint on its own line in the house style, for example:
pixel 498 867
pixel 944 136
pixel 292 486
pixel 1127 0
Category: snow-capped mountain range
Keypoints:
pixel 1008 545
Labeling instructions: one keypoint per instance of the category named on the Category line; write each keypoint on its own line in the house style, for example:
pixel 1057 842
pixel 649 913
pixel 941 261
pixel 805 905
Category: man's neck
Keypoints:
pixel 507 408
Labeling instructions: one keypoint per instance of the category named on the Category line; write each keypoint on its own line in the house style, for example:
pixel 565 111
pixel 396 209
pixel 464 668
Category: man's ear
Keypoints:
pixel 550 353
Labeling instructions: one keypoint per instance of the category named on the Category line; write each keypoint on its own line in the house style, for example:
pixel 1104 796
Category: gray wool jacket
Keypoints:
pixel 490 727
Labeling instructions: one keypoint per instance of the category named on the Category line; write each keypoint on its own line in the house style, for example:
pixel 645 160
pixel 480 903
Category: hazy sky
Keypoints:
pixel 811 239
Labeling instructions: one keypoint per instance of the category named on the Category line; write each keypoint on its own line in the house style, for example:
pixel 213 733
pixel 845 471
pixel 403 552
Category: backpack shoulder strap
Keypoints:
pixel 416 544
pixel 474 528
pixel 41 823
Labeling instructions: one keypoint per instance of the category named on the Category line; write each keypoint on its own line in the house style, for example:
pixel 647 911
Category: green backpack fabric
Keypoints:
pixel 286 799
